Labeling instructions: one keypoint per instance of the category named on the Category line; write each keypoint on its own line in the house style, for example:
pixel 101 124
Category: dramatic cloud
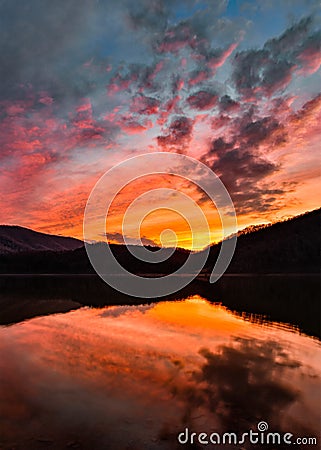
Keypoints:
pixel 202 100
pixel 179 134
pixel 270 69
pixel 228 104
pixel 242 172
pixel 145 105
pixel 118 238
pixel 85 85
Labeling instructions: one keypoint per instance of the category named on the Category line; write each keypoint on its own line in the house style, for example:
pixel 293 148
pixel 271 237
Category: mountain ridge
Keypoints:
pixel 16 239
pixel 291 246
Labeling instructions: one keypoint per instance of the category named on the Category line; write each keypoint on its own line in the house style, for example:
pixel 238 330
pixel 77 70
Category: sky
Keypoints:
pixel 86 85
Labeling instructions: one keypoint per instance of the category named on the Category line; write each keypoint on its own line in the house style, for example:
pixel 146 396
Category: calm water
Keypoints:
pixel 134 377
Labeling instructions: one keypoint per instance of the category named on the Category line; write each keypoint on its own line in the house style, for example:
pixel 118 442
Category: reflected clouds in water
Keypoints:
pixel 135 376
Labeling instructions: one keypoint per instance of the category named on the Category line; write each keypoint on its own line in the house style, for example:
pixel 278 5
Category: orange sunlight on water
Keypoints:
pixel 142 373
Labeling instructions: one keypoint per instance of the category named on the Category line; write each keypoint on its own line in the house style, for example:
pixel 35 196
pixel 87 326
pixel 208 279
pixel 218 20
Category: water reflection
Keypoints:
pixel 132 377
pixel 286 299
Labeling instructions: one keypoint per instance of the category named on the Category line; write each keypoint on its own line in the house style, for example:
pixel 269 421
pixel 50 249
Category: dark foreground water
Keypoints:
pixel 136 376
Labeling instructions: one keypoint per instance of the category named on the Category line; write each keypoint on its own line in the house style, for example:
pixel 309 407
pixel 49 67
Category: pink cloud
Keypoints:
pixel 168 108
pixel 310 59
pixel 202 100
pixel 198 77
pixel 218 61
pixel 144 105
pixel 129 124
pixel 119 83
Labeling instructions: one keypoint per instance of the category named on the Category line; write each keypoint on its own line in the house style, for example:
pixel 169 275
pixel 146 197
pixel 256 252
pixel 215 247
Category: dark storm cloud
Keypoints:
pixel 227 104
pixel 179 133
pixel 291 39
pixel 254 133
pixel 145 105
pixel 250 131
pixel 202 100
pixel 269 69
pixel 241 156
pixel 243 170
pixel 208 60
pixel 137 77
pixel 242 165
pixel 220 146
pixel 147 75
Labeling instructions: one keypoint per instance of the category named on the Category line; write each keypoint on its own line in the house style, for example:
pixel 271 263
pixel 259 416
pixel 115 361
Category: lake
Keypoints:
pixel 137 376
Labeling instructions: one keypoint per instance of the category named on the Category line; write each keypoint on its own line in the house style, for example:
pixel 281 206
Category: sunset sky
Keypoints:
pixel 87 84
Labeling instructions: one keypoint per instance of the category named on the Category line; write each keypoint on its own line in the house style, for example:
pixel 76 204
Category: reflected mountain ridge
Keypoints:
pixel 288 300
